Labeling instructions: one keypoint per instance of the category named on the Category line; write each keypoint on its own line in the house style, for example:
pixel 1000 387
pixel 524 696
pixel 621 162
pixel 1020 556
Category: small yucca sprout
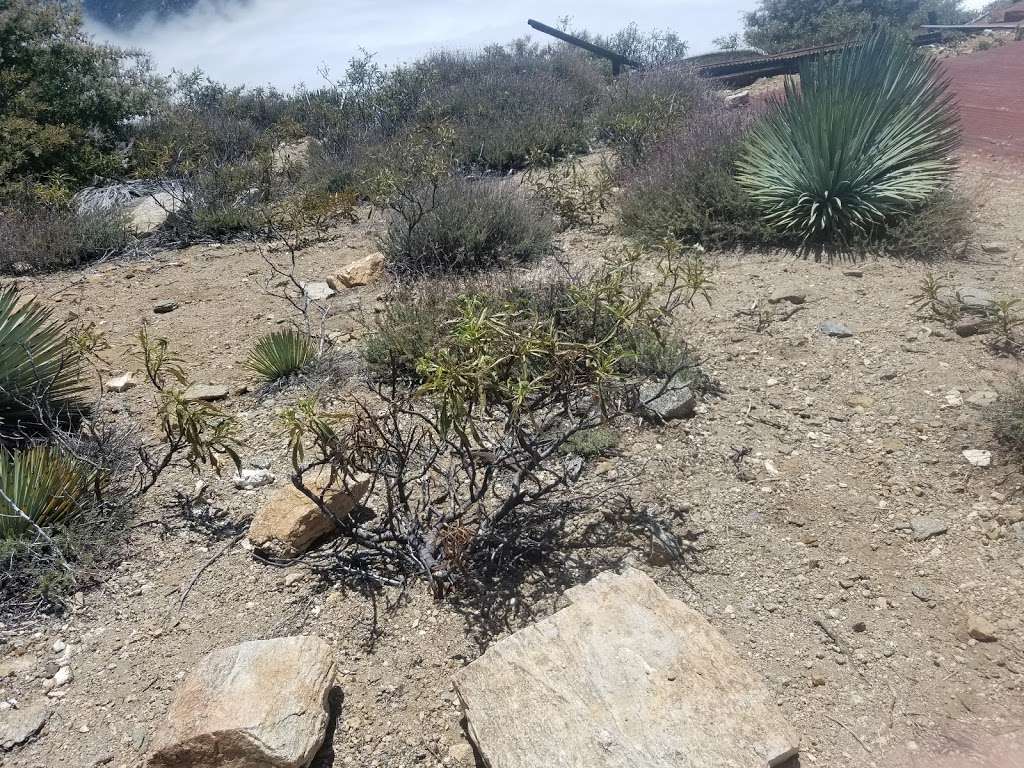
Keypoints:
pixel 46 485
pixel 281 354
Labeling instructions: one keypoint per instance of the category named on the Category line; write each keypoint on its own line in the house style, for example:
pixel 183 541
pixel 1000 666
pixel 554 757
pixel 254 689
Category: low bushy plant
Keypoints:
pixel 38 236
pixel 459 226
pixel 686 188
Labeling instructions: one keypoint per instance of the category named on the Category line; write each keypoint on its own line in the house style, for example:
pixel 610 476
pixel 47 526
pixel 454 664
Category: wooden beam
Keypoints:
pixel 617 59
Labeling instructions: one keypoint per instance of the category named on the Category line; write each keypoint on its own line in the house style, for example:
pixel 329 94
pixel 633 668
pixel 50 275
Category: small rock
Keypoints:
pixel 207 393
pixel 672 404
pixel 738 99
pixel 983 399
pixel 978 458
pixel 888 375
pixel 790 295
pixel 317 290
pixel 970 299
pixel 925 528
pixel 971 327
pixel 250 479
pixel 994 248
pixel 981 629
pixel 859 626
pixel 163 307
pixel 835 329
pixel 121 383
pixel 365 271
pixel 922 592
pixel 461 755
pixel 59 646
pixel 63 677
pixel 853 273
pixel 291 579
pixel 19 725
pixel 860 400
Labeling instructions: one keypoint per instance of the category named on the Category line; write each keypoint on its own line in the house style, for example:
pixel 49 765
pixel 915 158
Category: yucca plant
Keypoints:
pixel 40 372
pixel 281 353
pixel 863 139
pixel 46 484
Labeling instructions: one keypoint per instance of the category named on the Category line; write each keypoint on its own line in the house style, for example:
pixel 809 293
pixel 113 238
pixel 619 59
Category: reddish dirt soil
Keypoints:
pixel 990 88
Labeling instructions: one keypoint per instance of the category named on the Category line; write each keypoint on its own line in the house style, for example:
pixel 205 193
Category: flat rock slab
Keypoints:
pixel 624 677
pixel 19 725
pixel 261 704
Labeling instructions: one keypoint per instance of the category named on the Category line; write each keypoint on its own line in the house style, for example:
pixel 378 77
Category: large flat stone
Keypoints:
pixel 261 704
pixel 624 677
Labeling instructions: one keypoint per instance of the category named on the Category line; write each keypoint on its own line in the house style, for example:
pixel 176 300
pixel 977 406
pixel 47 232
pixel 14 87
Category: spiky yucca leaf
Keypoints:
pixel 46 484
pixel 280 354
pixel 38 367
pixel 865 137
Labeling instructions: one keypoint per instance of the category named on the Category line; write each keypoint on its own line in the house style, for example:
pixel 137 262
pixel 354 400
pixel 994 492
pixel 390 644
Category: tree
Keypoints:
pixel 782 25
pixel 65 101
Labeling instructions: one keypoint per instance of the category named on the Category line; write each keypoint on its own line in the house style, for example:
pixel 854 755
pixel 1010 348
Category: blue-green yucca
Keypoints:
pixel 281 353
pixel 865 137
pixel 46 484
pixel 40 372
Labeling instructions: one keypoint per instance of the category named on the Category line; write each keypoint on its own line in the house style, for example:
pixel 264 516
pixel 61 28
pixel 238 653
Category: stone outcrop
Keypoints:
pixel 19 725
pixel 623 677
pixel 365 271
pixel 261 704
pixel 290 523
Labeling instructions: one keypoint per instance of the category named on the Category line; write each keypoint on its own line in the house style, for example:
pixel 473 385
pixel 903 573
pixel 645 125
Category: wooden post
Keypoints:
pixel 617 59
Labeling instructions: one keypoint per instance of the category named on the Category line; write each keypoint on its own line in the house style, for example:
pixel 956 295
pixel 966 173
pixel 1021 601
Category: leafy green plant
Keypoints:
pixel 1007 323
pixel 40 372
pixel 40 488
pixel 865 136
pixel 281 353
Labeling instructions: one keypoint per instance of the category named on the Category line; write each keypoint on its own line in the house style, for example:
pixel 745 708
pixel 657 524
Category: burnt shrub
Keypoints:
pixel 685 186
pixel 457 226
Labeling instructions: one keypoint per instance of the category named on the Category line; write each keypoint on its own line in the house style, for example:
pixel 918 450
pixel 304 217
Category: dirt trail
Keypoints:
pixel 808 564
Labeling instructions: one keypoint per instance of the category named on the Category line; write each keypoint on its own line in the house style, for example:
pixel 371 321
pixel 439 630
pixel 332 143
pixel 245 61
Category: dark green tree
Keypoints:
pixel 65 101
pixel 782 25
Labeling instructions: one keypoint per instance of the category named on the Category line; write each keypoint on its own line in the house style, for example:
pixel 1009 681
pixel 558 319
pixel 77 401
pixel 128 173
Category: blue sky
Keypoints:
pixel 284 43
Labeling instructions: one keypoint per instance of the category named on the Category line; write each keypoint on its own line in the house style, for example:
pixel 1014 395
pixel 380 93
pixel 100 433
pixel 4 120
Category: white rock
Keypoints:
pixel 250 479
pixel 150 212
pixel 63 677
pixel 978 458
pixel 365 271
pixel 317 290
pixel 121 383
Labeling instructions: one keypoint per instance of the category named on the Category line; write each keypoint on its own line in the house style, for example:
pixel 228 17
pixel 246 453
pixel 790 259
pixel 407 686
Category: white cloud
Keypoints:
pixel 274 41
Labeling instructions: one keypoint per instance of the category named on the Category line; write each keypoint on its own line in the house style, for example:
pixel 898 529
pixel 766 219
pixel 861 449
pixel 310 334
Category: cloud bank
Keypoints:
pixel 284 43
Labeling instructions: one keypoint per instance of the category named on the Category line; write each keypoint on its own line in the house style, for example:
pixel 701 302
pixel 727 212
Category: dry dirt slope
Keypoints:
pixel 849 440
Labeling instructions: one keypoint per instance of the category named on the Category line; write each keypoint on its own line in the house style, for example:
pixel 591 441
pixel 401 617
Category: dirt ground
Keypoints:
pixel 800 479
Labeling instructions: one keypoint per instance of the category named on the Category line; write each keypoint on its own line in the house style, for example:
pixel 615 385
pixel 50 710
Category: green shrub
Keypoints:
pixel 591 443
pixel 463 226
pixel 65 102
pixel 40 372
pixel 864 139
pixel 47 485
pixel 38 236
pixel 280 354
pixel 587 310
pixel 685 187
pixel 222 202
